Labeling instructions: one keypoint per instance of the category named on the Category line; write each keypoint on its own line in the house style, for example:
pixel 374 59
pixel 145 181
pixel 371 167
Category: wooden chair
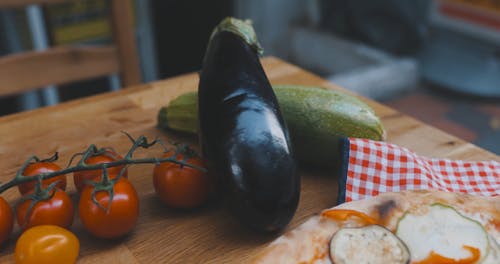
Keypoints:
pixel 22 72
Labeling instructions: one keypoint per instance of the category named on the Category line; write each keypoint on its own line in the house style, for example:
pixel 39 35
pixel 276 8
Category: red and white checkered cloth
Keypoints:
pixel 376 167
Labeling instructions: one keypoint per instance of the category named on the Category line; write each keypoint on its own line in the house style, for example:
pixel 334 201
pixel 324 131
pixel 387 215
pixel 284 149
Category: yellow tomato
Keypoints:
pixel 47 244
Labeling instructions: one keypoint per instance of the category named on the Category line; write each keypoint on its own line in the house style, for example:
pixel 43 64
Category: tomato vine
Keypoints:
pixel 106 184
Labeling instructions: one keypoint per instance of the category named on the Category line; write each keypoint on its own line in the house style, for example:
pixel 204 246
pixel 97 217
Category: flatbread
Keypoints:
pixel 310 242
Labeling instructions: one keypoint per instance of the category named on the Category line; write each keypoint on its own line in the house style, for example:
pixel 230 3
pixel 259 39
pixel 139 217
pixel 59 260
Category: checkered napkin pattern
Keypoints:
pixel 376 167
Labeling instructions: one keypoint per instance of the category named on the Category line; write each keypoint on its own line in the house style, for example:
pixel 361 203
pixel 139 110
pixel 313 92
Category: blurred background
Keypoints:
pixel 435 60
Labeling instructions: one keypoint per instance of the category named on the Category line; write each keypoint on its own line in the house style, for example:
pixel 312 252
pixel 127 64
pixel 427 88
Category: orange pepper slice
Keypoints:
pixel 344 214
pixel 436 258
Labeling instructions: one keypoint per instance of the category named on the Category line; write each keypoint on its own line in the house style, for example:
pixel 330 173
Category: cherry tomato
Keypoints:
pixel 47 244
pixel 121 216
pixel 42 167
pixel 181 186
pixel 6 220
pixel 57 210
pixel 80 177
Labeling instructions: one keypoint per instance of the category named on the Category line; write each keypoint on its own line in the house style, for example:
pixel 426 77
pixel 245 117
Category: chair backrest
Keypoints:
pixel 21 72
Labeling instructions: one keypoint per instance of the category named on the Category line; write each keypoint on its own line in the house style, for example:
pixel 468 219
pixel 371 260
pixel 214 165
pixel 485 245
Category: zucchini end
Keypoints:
pixel 162 118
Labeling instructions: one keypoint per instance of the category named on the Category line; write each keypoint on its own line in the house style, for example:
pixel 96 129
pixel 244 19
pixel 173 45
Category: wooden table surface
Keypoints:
pixel 162 235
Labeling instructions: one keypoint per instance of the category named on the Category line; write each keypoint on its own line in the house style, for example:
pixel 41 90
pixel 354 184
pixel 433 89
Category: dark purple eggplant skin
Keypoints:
pixel 243 136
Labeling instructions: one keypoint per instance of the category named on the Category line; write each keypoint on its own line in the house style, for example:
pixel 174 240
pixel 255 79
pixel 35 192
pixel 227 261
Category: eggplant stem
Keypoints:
pixel 241 28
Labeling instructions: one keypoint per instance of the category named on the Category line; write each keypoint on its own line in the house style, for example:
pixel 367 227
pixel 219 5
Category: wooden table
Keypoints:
pixel 162 235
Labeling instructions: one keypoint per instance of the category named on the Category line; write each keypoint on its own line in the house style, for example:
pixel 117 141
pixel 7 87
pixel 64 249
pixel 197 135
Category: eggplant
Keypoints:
pixel 242 132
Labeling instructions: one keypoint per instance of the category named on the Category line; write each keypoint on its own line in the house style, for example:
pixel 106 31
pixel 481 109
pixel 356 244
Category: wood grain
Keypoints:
pixel 29 70
pixel 206 235
pixel 22 3
pixel 124 38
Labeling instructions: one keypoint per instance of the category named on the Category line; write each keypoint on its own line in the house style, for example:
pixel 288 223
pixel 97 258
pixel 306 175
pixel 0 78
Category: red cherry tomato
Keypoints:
pixel 6 220
pixel 181 186
pixel 42 167
pixel 47 244
pixel 57 210
pixel 121 216
pixel 80 177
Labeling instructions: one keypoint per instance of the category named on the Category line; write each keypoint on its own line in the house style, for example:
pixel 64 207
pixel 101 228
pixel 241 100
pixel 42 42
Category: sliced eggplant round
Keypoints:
pixel 441 230
pixel 369 244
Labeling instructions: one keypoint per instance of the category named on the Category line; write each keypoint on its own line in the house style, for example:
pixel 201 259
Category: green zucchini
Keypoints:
pixel 316 118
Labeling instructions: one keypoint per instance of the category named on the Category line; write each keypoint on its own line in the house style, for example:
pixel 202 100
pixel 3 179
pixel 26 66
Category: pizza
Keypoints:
pixel 418 227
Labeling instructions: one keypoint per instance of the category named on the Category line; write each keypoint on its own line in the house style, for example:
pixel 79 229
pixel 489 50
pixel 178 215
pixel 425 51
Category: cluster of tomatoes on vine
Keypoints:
pixel 108 205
